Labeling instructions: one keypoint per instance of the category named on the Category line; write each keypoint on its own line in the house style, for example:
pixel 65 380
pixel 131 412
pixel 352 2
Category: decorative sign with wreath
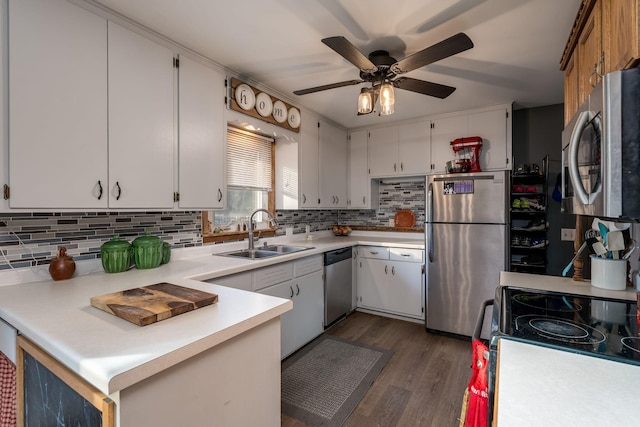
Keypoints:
pixel 255 103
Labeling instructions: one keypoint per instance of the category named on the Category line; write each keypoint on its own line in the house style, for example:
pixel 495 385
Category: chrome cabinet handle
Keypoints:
pixel 119 190
pixel 405 255
pixel 373 252
pixel 219 195
pixel 297 289
pixel 100 188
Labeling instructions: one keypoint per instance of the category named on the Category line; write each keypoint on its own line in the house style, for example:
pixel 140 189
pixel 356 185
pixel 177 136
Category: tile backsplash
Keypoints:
pixel 29 239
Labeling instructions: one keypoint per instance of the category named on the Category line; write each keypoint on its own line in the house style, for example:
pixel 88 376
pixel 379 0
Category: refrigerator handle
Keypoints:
pixel 430 222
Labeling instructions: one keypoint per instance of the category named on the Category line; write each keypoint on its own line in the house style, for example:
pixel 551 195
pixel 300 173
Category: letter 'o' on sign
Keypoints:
pixel 264 104
pixel 294 117
pixel 245 97
pixel 279 112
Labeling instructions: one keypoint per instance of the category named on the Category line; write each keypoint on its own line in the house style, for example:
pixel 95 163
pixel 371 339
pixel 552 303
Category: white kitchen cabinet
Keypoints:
pixel 58 106
pixel 493 124
pixel 141 128
pixel 309 166
pixel 414 144
pixel 287 191
pixel 332 166
pixel 287 320
pixel 390 280
pixel 302 282
pixel 242 281
pixel 359 181
pixel 383 151
pixel 201 136
pixel 400 150
pixel 444 131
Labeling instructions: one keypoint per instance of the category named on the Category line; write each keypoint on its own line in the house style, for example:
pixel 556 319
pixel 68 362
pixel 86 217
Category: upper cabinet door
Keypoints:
pixel 141 129
pixel 621 33
pixel 201 140
pixel 333 166
pixel 493 127
pixel 57 106
pixel 359 182
pixel 309 173
pixel 444 131
pixel 414 144
pixel 383 151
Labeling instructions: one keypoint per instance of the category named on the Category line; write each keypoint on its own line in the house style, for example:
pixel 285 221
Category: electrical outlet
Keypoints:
pixel 567 234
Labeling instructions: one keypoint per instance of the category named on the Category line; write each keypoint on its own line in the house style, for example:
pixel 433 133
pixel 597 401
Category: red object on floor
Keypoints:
pixel 478 404
pixel 7 392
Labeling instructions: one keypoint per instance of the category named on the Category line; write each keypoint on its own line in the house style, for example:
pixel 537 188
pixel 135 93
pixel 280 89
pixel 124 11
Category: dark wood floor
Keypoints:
pixel 423 383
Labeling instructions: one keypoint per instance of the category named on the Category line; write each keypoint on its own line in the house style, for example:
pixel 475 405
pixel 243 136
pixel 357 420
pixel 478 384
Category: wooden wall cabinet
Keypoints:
pixel 621 34
pixel 605 38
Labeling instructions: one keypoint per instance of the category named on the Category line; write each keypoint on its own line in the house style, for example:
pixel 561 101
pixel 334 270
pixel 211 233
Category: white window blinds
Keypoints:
pixel 248 160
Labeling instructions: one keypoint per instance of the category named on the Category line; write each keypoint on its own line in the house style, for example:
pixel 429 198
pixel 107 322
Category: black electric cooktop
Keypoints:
pixel 602 327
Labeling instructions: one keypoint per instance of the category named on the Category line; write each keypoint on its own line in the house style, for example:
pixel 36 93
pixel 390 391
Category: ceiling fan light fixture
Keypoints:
pixel 387 99
pixel 365 101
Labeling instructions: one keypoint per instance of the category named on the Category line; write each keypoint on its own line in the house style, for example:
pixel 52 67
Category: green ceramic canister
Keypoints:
pixel 115 255
pixel 147 251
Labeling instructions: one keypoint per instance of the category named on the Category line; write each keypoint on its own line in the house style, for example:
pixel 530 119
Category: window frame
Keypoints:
pixel 209 237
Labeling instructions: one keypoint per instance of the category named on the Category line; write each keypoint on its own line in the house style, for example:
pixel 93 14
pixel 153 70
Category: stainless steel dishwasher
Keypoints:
pixel 337 285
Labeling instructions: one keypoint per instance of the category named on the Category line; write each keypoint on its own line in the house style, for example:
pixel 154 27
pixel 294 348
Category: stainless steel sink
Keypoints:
pixel 284 249
pixel 253 254
pixel 265 251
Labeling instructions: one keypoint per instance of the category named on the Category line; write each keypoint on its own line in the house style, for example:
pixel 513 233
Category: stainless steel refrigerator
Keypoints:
pixel 466 234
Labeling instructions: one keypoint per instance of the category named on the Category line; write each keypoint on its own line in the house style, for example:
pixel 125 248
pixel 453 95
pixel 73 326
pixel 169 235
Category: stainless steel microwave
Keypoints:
pixel 601 151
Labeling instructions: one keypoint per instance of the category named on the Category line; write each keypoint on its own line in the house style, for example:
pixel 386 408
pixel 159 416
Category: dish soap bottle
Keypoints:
pixel 62 267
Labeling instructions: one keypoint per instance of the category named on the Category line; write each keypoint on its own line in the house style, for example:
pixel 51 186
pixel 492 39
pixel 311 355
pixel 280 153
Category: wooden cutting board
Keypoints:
pixel 150 304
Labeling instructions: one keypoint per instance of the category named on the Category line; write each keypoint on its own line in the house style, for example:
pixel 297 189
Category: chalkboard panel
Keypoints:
pixel 48 401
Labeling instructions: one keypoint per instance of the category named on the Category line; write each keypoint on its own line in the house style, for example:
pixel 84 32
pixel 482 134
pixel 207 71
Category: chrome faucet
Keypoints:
pixel 272 221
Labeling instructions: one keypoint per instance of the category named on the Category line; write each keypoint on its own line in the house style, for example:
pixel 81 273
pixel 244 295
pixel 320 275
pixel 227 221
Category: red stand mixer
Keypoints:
pixel 467 152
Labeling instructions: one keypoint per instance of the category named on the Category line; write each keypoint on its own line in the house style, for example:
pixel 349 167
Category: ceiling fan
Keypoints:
pixel 383 71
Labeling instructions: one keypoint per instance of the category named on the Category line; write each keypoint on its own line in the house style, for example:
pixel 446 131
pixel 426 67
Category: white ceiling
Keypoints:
pixel 518 45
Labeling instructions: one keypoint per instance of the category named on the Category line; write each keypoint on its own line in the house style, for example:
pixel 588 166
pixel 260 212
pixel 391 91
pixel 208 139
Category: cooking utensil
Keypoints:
pixel 566 269
pixel 594 245
pixel 604 231
pixel 615 243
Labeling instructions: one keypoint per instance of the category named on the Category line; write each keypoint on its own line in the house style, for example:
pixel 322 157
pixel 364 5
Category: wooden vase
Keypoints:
pixel 62 267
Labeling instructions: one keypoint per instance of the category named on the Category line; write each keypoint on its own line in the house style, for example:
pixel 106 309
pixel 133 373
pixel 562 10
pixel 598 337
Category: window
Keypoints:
pixel 250 181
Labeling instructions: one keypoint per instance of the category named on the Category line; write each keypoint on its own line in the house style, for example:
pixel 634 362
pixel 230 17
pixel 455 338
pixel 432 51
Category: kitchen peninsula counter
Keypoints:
pixel 116 356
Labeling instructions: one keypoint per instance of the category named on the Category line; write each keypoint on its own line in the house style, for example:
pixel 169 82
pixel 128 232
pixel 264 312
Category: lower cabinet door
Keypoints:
pixel 404 293
pixel 308 304
pixel 372 283
pixel 287 320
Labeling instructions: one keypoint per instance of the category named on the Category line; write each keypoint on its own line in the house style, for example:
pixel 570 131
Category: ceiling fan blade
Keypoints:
pixel 326 87
pixel 426 88
pixel 447 47
pixel 348 51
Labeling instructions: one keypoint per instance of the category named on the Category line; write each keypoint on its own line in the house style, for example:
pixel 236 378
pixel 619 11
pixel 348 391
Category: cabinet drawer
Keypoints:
pixel 376 252
pixel 268 276
pixel 307 265
pixel 411 255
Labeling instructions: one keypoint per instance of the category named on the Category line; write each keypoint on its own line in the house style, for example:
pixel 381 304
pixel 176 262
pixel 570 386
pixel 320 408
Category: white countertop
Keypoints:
pixel 562 284
pixel 112 353
pixel 538 386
